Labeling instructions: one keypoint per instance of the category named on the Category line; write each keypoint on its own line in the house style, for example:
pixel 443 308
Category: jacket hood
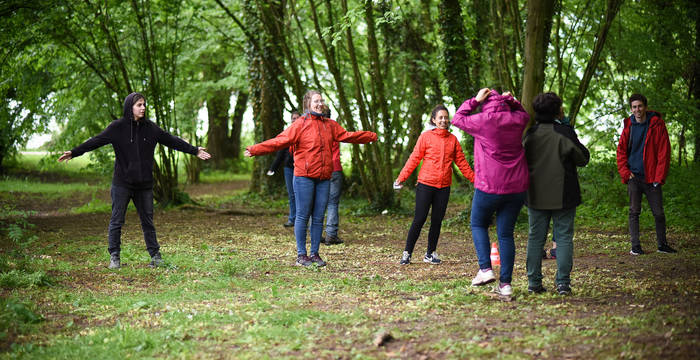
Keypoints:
pixel 128 113
pixel 495 102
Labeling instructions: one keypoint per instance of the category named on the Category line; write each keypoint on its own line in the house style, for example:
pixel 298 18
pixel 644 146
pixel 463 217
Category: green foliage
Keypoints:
pixel 21 279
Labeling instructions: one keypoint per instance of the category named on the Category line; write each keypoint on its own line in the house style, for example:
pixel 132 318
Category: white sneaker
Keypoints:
pixel 503 290
pixel 483 277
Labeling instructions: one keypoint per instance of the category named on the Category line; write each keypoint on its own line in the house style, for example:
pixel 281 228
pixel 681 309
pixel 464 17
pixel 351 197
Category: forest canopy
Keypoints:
pixel 382 65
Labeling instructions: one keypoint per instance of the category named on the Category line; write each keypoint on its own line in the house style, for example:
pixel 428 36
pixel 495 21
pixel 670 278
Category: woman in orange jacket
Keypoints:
pixel 438 149
pixel 312 137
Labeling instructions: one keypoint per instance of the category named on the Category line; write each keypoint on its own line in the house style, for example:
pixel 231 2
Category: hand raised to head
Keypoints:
pixel 483 94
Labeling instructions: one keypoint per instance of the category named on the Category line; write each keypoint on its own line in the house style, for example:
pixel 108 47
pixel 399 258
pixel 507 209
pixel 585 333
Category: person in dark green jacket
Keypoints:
pixel 553 152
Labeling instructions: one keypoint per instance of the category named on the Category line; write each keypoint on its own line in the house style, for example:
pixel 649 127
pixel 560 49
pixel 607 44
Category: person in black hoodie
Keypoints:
pixel 134 138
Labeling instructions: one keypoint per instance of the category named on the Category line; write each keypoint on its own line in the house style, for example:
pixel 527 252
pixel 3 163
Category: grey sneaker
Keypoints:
pixel 114 261
pixel 405 258
pixel 156 261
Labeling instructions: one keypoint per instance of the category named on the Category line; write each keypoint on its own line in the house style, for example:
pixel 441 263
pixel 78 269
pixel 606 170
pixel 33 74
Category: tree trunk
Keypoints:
pixel 268 90
pixel 455 51
pixel 218 104
pixel 695 87
pixel 237 122
pixel 613 7
pixel 539 25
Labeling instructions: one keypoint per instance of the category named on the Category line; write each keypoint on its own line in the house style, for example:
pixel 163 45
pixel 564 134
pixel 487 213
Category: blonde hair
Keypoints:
pixel 307 98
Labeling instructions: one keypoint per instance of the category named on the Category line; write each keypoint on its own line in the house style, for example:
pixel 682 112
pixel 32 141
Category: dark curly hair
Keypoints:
pixel 548 104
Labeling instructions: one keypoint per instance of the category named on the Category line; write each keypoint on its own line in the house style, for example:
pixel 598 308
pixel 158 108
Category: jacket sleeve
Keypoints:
pixel 663 157
pixel 462 163
pixel 174 142
pixel 413 160
pixel 464 120
pixel 577 151
pixel 355 137
pixel 622 167
pixel 97 141
pixel 279 158
pixel 285 139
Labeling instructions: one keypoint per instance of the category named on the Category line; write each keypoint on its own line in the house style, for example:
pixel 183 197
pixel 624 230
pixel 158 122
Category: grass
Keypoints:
pixel 229 289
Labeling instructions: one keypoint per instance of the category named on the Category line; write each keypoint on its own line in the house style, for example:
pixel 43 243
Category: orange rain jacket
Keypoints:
pixel 438 148
pixel 312 139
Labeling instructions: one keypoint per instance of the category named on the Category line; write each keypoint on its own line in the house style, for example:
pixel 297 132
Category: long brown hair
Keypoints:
pixel 307 99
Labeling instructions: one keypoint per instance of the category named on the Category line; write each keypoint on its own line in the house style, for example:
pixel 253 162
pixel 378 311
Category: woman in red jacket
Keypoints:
pixel 438 148
pixel 312 136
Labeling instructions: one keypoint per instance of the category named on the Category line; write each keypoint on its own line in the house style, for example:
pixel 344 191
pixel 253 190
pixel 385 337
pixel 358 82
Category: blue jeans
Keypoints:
pixel 289 182
pixel 143 200
pixel 563 231
pixel 333 200
pixel 507 207
pixel 311 199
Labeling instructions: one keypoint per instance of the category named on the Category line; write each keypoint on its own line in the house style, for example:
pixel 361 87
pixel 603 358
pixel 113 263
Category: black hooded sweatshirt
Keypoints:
pixel 134 143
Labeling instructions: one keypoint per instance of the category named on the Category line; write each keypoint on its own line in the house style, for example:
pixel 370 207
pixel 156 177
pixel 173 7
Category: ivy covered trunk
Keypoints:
pixel 267 89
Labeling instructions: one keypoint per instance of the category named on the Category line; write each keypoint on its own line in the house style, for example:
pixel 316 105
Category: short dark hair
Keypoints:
pixel 547 103
pixel 638 97
pixel 436 109
pixel 295 113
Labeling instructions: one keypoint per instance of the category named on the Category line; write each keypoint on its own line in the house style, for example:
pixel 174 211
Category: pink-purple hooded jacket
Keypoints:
pixel 500 166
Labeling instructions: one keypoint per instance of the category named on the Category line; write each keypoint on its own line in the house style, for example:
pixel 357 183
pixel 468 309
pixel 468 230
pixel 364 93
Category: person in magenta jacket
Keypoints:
pixel 643 158
pixel 438 149
pixel 501 179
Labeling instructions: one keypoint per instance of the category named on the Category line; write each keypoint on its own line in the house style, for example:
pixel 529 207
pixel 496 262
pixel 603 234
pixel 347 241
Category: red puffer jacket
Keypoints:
pixel 657 151
pixel 438 149
pixel 312 138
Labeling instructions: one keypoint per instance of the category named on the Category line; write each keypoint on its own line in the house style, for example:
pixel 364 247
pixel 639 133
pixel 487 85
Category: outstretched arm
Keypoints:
pixel 355 137
pixel 92 143
pixel 285 139
pixel 462 163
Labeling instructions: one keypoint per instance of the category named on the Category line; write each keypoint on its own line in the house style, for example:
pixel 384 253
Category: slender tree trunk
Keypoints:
pixel 268 89
pixel 455 52
pixel 613 7
pixel 218 104
pixel 695 85
pixel 539 25
pixel 237 122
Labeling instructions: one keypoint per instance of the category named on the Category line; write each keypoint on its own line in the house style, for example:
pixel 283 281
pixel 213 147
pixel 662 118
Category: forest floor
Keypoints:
pixel 229 288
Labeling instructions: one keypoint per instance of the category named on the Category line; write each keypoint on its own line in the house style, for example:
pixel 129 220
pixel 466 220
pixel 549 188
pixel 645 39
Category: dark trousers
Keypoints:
pixel 635 188
pixel 143 200
pixel 427 196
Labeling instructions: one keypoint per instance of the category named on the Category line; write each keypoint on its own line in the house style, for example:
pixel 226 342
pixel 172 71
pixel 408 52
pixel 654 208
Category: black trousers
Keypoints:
pixel 427 196
pixel 143 200
pixel 637 187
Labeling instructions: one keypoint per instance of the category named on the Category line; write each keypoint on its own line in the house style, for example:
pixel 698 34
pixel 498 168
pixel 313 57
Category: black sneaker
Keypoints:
pixel 563 289
pixel 432 259
pixel 637 251
pixel 553 253
pixel 536 289
pixel 288 224
pixel 666 249
pixel 156 261
pixel 333 240
pixel 303 260
pixel 316 259
pixel 405 258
